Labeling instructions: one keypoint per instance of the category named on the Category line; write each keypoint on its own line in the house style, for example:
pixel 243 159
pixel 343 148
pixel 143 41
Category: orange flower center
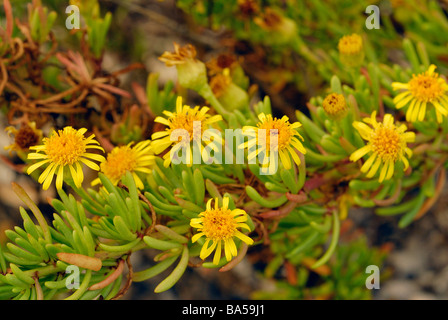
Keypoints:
pixel 65 148
pixel 387 143
pixel 218 224
pixel 426 87
pixel 120 160
pixel 283 133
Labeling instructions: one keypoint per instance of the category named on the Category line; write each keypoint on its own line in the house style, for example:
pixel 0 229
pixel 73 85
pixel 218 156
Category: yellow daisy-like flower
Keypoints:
pixel 387 144
pixel 138 158
pixel 193 121
pixel 66 148
pixel 220 226
pixel 287 140
pixel 427 87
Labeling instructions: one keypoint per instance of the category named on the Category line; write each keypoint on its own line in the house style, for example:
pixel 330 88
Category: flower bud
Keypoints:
pixel 283 29
pixel 335 106
pixel 351 50
pixel 228 93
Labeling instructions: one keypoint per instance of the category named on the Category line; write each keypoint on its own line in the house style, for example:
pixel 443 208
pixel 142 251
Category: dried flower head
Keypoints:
pixel 284 28
pixel 192 73
pixel 24 138
pixel 220 63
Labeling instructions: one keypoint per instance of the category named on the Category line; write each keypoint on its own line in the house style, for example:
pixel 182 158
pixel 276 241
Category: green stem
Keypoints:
pixel 333 243
pixel 207 93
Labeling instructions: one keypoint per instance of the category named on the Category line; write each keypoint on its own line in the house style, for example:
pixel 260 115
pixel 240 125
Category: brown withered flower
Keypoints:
pixel 270 20
pixel 248 7
pixel 180 55
pixel 281 30
pixel 220 63
pixel 24 138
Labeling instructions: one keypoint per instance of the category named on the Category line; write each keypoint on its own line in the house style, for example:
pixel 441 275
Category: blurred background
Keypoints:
pixel 416 266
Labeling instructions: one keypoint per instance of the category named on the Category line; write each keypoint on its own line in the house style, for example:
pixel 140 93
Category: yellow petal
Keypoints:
pixel 196 237
pixel 363 129
pixel 422 112
pixel 405 163
pixel 374 168
pixel 400 97
pixel 227 250
pixel 159 134
pixel 403 102
pixel 206 251
pixel 49 178
pixel 284 157
pixel 243 237
pixel 366 166
pixel 358 154
pixel 225 203
pixel 384 171
pixel 60 178
pixel 399 85
pixel 80 174
pixel 391 169
pixel 217 256
pixel 37 165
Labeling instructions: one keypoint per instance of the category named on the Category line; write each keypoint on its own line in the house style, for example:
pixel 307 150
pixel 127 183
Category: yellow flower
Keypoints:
pixel 351 50
pixel 127 158
pixel 422 89
pixel 287 140
pixel 193 121
pixel 220 226
pixel 334 105
pixel 387 144
pixel 24 138
pixel 65 148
